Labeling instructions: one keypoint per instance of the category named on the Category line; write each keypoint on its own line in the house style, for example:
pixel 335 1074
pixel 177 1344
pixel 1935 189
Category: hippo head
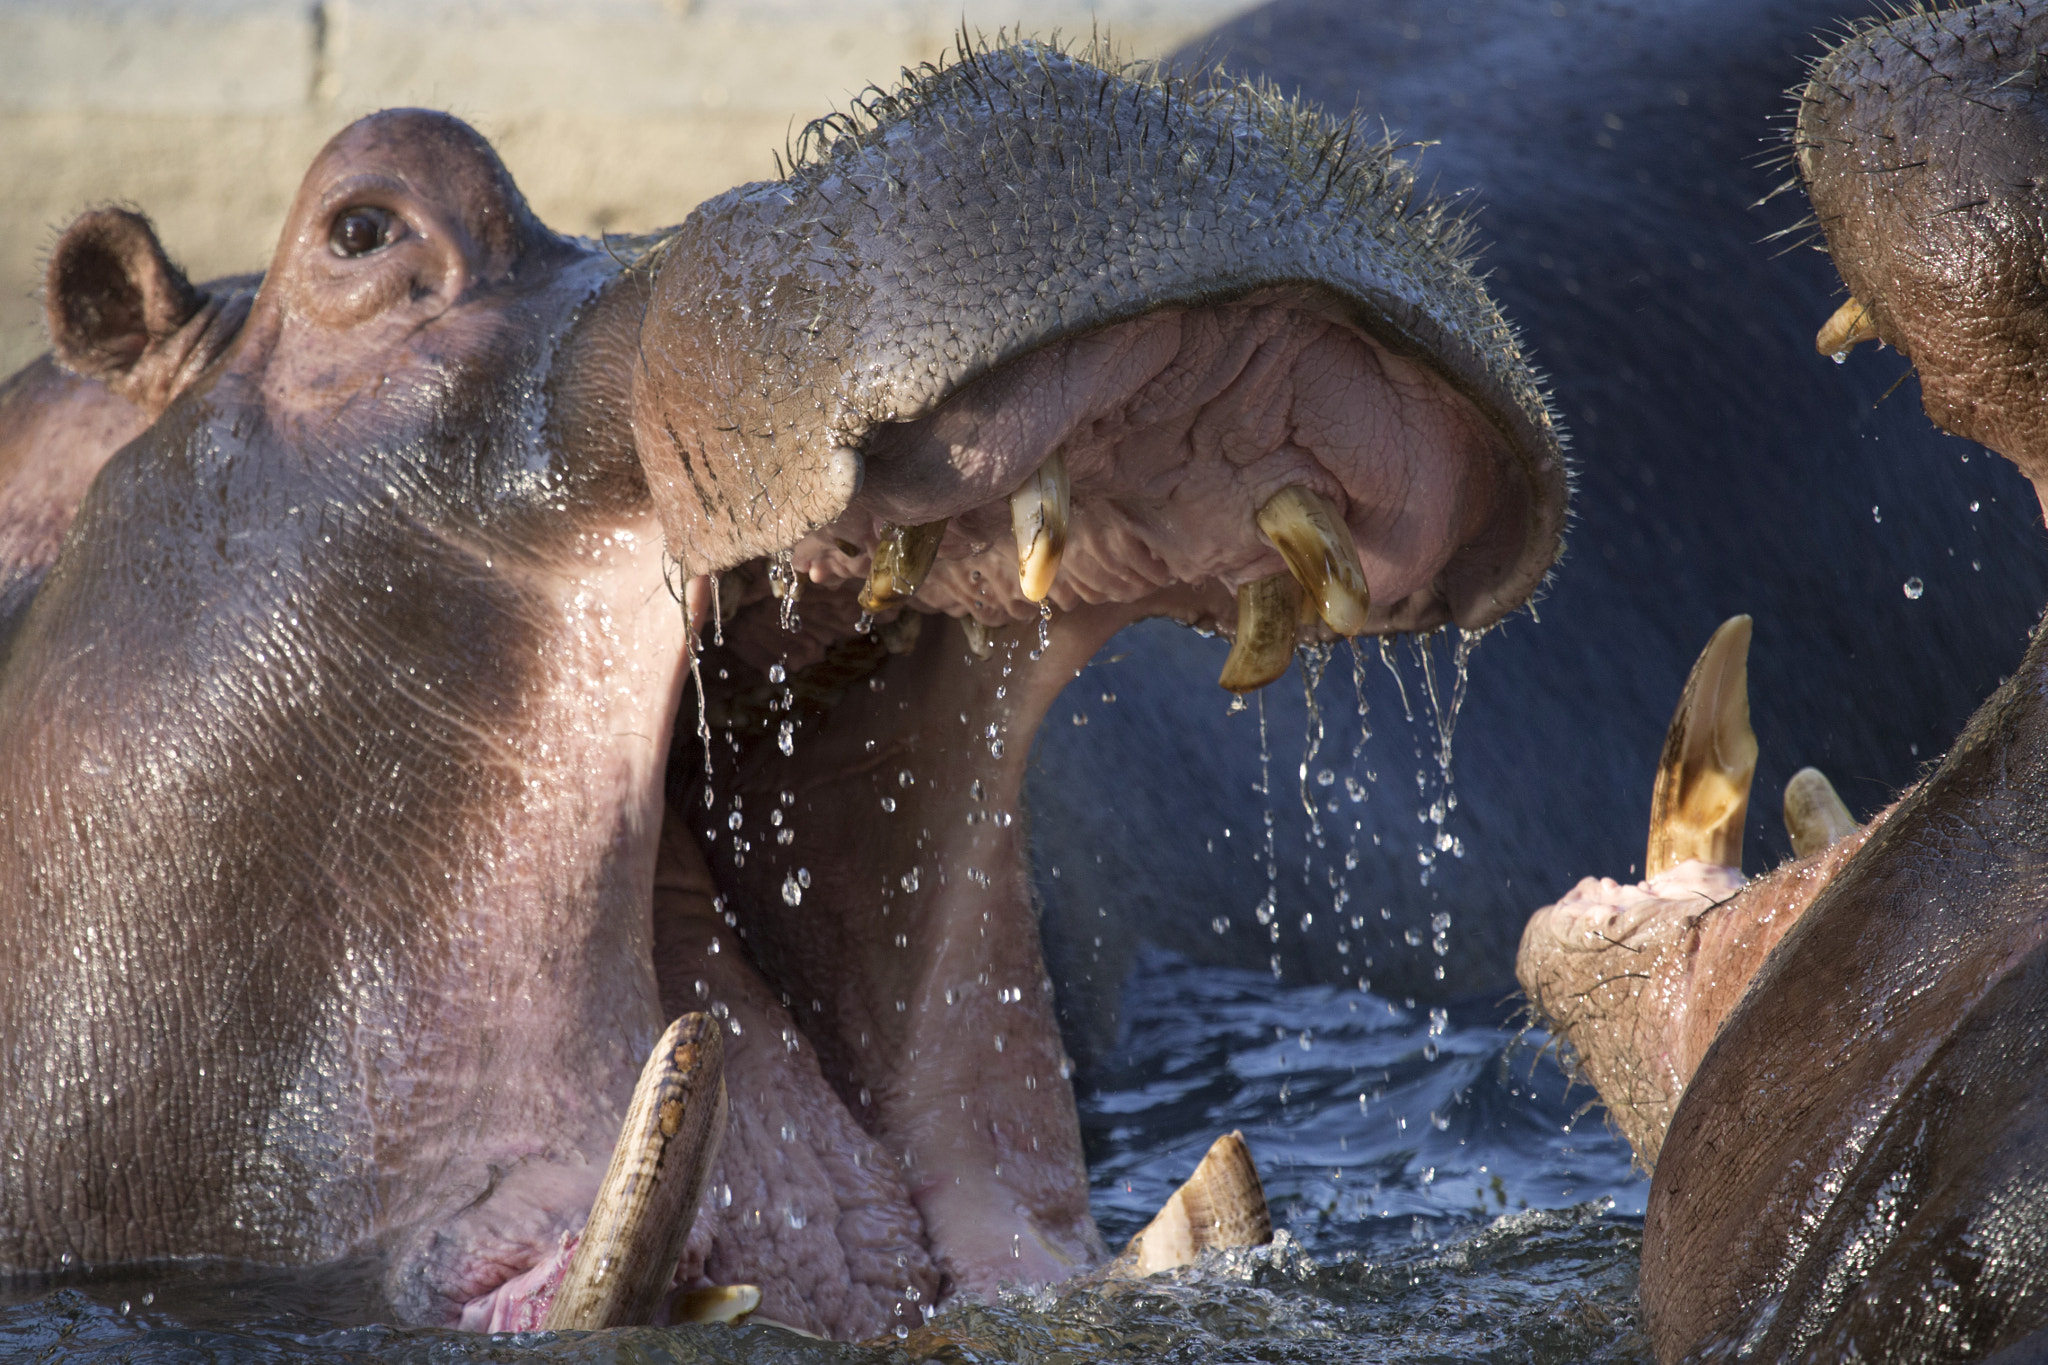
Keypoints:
pixel 349 873
pixel 1922 143
pixel 1836 1069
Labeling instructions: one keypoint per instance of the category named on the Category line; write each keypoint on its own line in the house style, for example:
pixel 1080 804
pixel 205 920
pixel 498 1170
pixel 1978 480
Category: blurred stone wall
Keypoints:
pixel 614 115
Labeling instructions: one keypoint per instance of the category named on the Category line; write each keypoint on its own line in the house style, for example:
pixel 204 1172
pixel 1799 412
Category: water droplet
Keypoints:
pixel 788 1131
pixel 909 879
pixel 1354 789
pixel 1220 925
pixel 733 821
pixel 125 1309
pixel 1876 515
pixel 995 748
pixel 1973 504
pixel 792 890
pixel 1914 588
pixel 724 1195
pixel 866 1098
pixel 905 778
pixel 1840 357
pixel 785 738
pixel 775 673
pixel 889 803
pixel 1325 777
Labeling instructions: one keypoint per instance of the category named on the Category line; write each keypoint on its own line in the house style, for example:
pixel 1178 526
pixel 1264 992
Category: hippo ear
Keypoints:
pixel 113 299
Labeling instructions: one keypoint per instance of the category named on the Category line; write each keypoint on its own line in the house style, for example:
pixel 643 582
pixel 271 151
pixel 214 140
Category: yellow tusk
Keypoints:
pixel 1268 617
pixel 1702 791
pixel 1317 545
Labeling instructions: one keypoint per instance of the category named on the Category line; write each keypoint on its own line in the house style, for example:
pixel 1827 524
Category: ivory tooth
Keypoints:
pixel 978 642
pixel 1311 536
pixel 1268 615
pixel 720 1303
pixel 1222 1205
pixel 1702 791
pixel 1038 514
pixel 903 557
pixel 1814 815
pixel 1850 324
pixel 626 1258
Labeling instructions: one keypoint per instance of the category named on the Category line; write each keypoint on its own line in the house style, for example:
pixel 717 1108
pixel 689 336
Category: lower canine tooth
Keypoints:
pixel 1702 792
pixel 1850 324
pixel 1268 614
pixel 1038 514
pixel 720 1303
pixel 1814 815
pixel 1317 545
pixel 903 557
pixel 626 1258
pixel 1222 1205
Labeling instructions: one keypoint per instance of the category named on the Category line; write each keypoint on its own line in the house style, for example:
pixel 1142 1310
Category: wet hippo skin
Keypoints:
pixel 349 869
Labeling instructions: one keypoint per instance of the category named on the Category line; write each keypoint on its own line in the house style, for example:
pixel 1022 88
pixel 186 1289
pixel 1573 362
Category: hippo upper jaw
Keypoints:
pixel 1920 141
pixel 852 329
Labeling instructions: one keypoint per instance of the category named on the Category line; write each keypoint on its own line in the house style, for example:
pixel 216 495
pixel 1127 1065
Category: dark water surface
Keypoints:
pixel 1437 1201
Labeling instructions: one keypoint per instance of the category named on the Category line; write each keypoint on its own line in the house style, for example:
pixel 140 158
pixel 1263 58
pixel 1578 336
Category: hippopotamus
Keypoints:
pixel 1833 1070
pixel 437 662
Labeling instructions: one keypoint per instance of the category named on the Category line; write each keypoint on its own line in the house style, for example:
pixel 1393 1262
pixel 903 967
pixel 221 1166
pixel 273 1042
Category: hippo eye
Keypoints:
pixel 361 231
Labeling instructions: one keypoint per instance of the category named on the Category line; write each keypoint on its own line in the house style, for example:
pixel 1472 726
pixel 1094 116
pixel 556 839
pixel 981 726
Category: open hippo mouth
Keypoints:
pixel 1029 344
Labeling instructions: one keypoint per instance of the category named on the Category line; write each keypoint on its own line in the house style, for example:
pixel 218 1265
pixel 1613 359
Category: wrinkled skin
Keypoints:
pixel 1854 1168
pixel 348 871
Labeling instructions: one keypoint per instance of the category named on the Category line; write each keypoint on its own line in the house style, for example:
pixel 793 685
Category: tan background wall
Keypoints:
pixel 614 115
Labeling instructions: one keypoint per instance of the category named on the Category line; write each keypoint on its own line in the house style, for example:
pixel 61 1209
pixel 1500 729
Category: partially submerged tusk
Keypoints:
pixel 903 557
pixel 627 1256
pixel 729 1303
pixel 1815 816
pixel 1268 614
pixel 1038 514
pixel 1221 1205
pixel 1312 537
pixel 1702 792
pixel 1850 324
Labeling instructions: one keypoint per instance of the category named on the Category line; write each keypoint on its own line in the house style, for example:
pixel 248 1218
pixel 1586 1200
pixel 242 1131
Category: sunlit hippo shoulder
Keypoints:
pixel 360 828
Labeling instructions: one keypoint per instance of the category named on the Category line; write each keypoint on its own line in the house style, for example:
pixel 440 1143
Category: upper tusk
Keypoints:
pixel 1268 615
pixel 1702 792
pixel 626 1258
pixel 1038 514
pixel 1850 324
pixel 1312 537
pixel 903 556
pixel 1814 815
pixel 1222 1205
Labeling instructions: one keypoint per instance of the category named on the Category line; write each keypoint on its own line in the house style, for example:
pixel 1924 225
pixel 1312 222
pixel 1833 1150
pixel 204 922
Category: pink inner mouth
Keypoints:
pixel 1176 427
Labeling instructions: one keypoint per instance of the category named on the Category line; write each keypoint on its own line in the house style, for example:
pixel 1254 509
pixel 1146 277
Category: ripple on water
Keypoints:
pixel 1495 1223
